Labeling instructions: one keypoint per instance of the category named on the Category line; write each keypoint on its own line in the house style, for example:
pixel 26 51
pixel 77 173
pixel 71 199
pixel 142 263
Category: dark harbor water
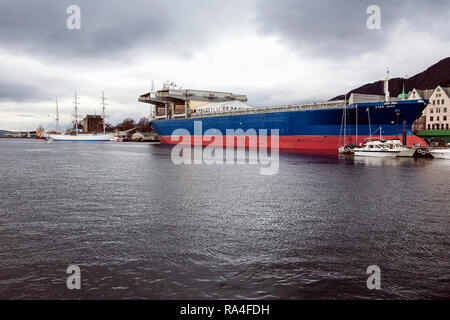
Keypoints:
pixel 139 226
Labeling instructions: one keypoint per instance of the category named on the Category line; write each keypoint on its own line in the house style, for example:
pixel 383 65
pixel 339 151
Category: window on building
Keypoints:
pixel 434 101
pixel 429 127
pixel 445 110
pixel 442 126
pixel 446 126
pixel 438 110
pixel 437 118
pixel 431 110
pixel 438 102
pixel 431 118
pixel 442 101
pixel 445 118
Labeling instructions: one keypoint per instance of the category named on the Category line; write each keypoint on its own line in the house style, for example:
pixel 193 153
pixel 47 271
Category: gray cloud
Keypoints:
pixel 182 28
pixel 112 27
pixel 338 29
pixel 107 28
pixel 18 91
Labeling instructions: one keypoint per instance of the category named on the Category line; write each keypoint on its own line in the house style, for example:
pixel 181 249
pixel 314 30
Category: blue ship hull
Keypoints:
pixel 318 129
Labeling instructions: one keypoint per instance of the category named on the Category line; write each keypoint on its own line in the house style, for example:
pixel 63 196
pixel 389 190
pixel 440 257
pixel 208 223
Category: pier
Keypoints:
pixel 19 134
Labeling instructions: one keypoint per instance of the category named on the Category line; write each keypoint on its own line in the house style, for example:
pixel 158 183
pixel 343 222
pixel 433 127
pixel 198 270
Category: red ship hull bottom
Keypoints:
pixel 326 143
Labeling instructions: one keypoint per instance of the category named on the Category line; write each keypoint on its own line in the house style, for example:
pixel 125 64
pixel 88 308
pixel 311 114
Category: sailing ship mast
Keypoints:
pixel 345 125
pixel 370 129
pixel 356 124
pixel 57 115
pixel 103 111
pixel 76 112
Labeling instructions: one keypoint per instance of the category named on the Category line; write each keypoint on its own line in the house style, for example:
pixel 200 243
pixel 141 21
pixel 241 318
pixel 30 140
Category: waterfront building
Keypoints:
pixel 92 123
pixel 438 112
pixel 436 115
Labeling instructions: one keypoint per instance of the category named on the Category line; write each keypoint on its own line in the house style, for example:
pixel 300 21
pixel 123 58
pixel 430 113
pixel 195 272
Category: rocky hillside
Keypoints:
pixel 437 74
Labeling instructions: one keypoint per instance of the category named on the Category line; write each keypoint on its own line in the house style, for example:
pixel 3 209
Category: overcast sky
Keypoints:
pixel 275 52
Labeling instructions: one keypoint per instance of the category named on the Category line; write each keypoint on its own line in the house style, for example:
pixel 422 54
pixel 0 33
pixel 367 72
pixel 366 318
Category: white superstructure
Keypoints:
pixel 227 106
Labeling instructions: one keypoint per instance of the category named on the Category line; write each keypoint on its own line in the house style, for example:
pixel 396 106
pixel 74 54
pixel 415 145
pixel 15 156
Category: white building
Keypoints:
pixel 436 116
pixel 438 111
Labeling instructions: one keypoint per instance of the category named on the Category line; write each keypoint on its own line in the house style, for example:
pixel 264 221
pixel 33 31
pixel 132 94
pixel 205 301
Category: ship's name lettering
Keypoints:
pixel 382 107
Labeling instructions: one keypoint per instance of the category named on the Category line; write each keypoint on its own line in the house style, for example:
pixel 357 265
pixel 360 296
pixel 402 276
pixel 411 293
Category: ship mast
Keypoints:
pixel 57 115
pixel 370 129
pixel 103 111
pixel 152 94
pixel 76 103
pixel 345 125
pixel 356 124
pixel 386 86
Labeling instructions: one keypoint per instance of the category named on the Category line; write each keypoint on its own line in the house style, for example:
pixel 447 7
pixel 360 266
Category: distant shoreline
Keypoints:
pixel 3 137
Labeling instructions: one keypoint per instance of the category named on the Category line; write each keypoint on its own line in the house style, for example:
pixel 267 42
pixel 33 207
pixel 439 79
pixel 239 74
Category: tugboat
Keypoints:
pixel 40 133
pixel 116 138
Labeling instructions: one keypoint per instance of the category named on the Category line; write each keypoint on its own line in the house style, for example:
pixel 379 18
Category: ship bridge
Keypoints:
pixel 173 103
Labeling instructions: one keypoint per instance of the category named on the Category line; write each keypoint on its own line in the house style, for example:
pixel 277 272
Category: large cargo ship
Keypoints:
pixel 316 126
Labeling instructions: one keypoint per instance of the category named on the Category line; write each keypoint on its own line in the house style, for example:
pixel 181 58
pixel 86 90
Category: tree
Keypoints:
pixel 126 124
pixel 144 125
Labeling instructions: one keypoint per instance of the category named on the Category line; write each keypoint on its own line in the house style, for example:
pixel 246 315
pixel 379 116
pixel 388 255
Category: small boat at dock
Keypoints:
pixel 390 148
pixel 116 138
pixel 443 153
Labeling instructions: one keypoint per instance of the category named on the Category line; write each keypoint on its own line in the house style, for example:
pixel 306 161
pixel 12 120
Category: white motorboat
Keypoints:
pixel 390 148
pixel 443 153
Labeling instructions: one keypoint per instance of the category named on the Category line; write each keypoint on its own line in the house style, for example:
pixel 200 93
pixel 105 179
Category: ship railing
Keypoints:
pixel 271 109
